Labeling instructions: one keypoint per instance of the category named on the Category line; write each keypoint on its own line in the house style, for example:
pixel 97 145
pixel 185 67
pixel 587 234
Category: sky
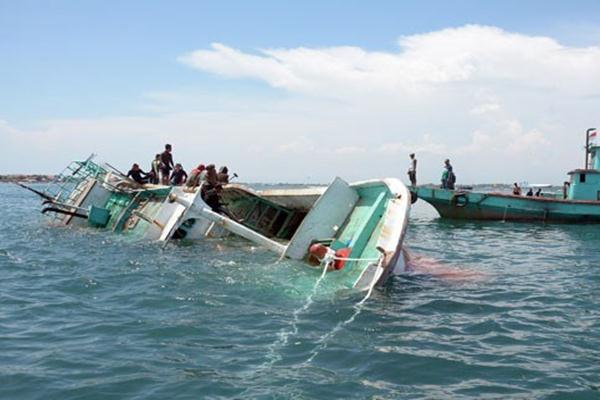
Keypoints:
pixel 302 91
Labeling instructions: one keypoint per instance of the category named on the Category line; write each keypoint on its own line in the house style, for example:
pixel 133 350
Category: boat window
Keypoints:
pixel 598 196
pixel 267 219
pixel 582 178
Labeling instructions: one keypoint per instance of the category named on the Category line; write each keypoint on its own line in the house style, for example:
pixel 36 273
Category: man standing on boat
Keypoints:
pixel 448 177
pixel 155 170
pixel 517 189
pixel 412 170
pixel 166 164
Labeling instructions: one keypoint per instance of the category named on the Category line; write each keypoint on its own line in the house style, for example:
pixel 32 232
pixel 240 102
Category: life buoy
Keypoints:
pixel 459 199
pixel 340 258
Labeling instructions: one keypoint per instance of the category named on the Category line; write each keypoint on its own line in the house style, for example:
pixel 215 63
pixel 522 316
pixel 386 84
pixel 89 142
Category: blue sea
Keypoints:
pixel 489 310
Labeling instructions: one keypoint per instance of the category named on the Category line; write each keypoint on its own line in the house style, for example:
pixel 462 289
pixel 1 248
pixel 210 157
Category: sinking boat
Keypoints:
pixel 94 194
pixel 579 202
pixel 356 231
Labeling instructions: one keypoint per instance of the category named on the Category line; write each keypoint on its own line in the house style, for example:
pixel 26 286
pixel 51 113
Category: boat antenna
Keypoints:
pixel 587 147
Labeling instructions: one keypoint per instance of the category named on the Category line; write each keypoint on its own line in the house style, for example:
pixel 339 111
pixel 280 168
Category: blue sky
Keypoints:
pixel 88 60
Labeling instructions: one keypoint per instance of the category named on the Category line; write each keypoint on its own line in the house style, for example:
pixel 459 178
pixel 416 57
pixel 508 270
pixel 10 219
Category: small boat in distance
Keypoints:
pixel 579 203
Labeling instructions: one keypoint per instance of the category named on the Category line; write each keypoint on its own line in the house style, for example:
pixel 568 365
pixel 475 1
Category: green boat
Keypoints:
pixel 356 231
pixel 94 194
pixel 578 203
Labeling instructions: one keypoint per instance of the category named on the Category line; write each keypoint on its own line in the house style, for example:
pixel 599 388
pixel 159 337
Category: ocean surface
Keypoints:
pixel 490 310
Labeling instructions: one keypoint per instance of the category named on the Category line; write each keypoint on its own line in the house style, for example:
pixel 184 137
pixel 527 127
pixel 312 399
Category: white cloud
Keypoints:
pixel 489 99
pixel 457 55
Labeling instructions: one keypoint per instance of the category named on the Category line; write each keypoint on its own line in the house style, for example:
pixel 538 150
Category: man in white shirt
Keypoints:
pixel 412 170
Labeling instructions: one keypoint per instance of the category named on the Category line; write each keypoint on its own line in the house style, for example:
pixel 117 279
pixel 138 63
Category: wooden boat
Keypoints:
pixel 87 193
pixel 579 203
pixel 356 231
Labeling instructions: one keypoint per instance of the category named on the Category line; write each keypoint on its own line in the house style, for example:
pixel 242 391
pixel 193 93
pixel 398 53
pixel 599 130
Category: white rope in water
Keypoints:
pixel 355 259
pixel 285 335
pixel 323 340
pixel 332 257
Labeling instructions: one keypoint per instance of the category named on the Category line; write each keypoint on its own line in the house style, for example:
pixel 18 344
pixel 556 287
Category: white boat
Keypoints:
pixel 356 231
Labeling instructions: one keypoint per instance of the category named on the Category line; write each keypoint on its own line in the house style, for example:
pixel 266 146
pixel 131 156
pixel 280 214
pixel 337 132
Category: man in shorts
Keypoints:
pixel 166 164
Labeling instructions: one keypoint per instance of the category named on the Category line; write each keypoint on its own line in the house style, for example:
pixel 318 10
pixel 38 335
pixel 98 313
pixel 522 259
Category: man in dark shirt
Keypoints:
pixel 179 176
pixel 136 173
pixel 166 164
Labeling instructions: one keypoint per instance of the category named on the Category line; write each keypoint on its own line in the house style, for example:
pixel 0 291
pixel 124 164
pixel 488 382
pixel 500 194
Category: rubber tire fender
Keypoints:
pixel 455 199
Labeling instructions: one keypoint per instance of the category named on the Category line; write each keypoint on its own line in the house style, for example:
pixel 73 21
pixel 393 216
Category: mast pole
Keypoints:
pixel 587 147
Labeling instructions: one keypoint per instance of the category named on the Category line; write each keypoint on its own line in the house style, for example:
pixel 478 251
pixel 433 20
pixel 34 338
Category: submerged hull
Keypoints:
pixel 368 218
pixel 505 207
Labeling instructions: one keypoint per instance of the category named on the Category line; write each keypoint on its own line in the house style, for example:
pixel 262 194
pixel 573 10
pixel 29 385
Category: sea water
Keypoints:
pixel 487 310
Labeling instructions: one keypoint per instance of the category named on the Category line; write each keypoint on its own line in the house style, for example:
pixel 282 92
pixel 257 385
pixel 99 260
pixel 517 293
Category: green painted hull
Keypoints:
pixel 505 207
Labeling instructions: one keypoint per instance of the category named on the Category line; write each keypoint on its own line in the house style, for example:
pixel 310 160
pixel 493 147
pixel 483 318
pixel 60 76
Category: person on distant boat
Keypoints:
pixel 448 177
pixel 154 175
pixel 137 174
pixel 538 193
pixel 223 175
pixel 529 192
pixel 195 176
pixel 412 170
pixel 516 189
pixel 179 176
pixel 566 186
pixel 166 164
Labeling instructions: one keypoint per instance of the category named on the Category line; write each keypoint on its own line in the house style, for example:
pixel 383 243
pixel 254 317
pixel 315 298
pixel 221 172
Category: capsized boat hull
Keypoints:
pixel 506 207
pixel 368 219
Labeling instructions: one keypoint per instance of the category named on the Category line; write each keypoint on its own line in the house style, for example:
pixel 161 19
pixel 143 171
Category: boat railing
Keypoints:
pixel 67 187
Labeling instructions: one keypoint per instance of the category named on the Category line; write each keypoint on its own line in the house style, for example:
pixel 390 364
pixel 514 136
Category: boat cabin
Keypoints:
pixel 584 184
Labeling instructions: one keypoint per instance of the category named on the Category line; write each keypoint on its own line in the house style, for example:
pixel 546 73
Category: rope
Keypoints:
pixel 356 259
pixel 324 340
pixel 274 355
pixel 330 258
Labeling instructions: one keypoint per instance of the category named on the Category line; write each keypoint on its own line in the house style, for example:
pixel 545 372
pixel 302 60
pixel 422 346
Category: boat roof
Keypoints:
pixel 584 171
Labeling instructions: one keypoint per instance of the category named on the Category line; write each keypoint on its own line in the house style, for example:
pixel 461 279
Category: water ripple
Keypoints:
pixel 490 310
